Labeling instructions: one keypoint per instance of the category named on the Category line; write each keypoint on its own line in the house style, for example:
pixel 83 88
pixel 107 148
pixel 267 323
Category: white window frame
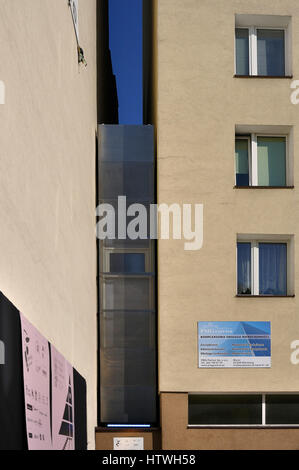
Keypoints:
pixel 252 36
pixel 255 241
pixel 253 157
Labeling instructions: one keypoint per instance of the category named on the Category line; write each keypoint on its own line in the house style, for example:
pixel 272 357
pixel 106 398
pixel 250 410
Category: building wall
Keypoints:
pixel 199 102
pixel 177 436
pixel 47 176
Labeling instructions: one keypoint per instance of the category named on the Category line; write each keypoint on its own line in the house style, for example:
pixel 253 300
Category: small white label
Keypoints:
pixel 128 443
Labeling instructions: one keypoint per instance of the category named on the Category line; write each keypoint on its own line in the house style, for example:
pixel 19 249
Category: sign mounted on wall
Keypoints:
pixel 62 402
pixel 36 369
pixel 128 443
pixel 50 423
pixel 234 344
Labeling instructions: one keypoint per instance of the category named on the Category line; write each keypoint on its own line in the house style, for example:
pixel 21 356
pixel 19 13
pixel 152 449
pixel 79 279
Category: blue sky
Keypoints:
pixel 125 26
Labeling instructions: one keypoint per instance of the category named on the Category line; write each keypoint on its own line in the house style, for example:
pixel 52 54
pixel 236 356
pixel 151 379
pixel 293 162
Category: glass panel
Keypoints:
pixel 127 330
pixel 242 51
pixel 270 52
pixel 273 268
pixel 138 224
pixel 133 180
pixel 121 143
pixel 271 161
pixel 127 293
pixel 282 409
pixel 225 409
pixel 242 167
pixel 128 367
pixel 244 268
pixel 128 405
pixel 127 263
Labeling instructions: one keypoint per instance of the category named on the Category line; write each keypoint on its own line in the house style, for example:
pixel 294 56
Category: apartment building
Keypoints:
pixel 227 137
pixel 195 347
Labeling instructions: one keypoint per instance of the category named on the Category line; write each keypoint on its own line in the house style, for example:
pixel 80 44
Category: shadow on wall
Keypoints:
pixel 107 90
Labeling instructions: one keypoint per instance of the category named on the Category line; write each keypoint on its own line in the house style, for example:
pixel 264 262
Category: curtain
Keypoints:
pixel 270 52
pixel 242 51
pixel 271 161
pixel 273 268
pixel 244 268
pixel 127 263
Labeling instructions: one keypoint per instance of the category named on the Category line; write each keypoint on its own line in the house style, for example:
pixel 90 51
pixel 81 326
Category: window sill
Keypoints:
pixel 264 296
pixel 264 187
pixel 264 76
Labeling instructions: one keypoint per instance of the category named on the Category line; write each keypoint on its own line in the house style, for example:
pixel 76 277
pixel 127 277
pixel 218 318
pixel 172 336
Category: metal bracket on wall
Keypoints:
pixel 74 6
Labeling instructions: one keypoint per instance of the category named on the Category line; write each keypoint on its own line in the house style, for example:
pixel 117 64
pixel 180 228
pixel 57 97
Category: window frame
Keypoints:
pixel 255 241
pixel 253 158
pixel 151 291
pixel 263 424
pixel 252 53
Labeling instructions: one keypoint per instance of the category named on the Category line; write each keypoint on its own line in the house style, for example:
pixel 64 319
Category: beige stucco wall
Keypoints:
pixel 47 176
pixel 198 105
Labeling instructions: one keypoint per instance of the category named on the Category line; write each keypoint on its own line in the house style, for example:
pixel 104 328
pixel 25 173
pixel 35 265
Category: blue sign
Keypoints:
pixel 234 344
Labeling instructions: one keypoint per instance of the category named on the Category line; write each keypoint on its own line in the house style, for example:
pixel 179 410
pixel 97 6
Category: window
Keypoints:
pixel 225 409
pixel 263 266
pixel 270 52
pixel 282 409
pixel 242 157
pixel 128 283
pixel 242 51
pixel 243 410
pixel 127 261
pixel 262 45
pixel 261 160
pixel 271 161
pixel 260 52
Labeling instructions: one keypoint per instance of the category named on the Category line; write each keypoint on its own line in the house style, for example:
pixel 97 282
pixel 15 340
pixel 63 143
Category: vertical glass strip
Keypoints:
pixel 242 162
pixel 128 375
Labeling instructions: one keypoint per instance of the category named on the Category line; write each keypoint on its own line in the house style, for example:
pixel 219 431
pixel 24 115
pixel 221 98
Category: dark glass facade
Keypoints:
pixel 127 280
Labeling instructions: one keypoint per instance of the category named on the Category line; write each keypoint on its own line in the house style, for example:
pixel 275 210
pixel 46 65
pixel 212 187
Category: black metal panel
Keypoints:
pixel 80 412
pixel 12 403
